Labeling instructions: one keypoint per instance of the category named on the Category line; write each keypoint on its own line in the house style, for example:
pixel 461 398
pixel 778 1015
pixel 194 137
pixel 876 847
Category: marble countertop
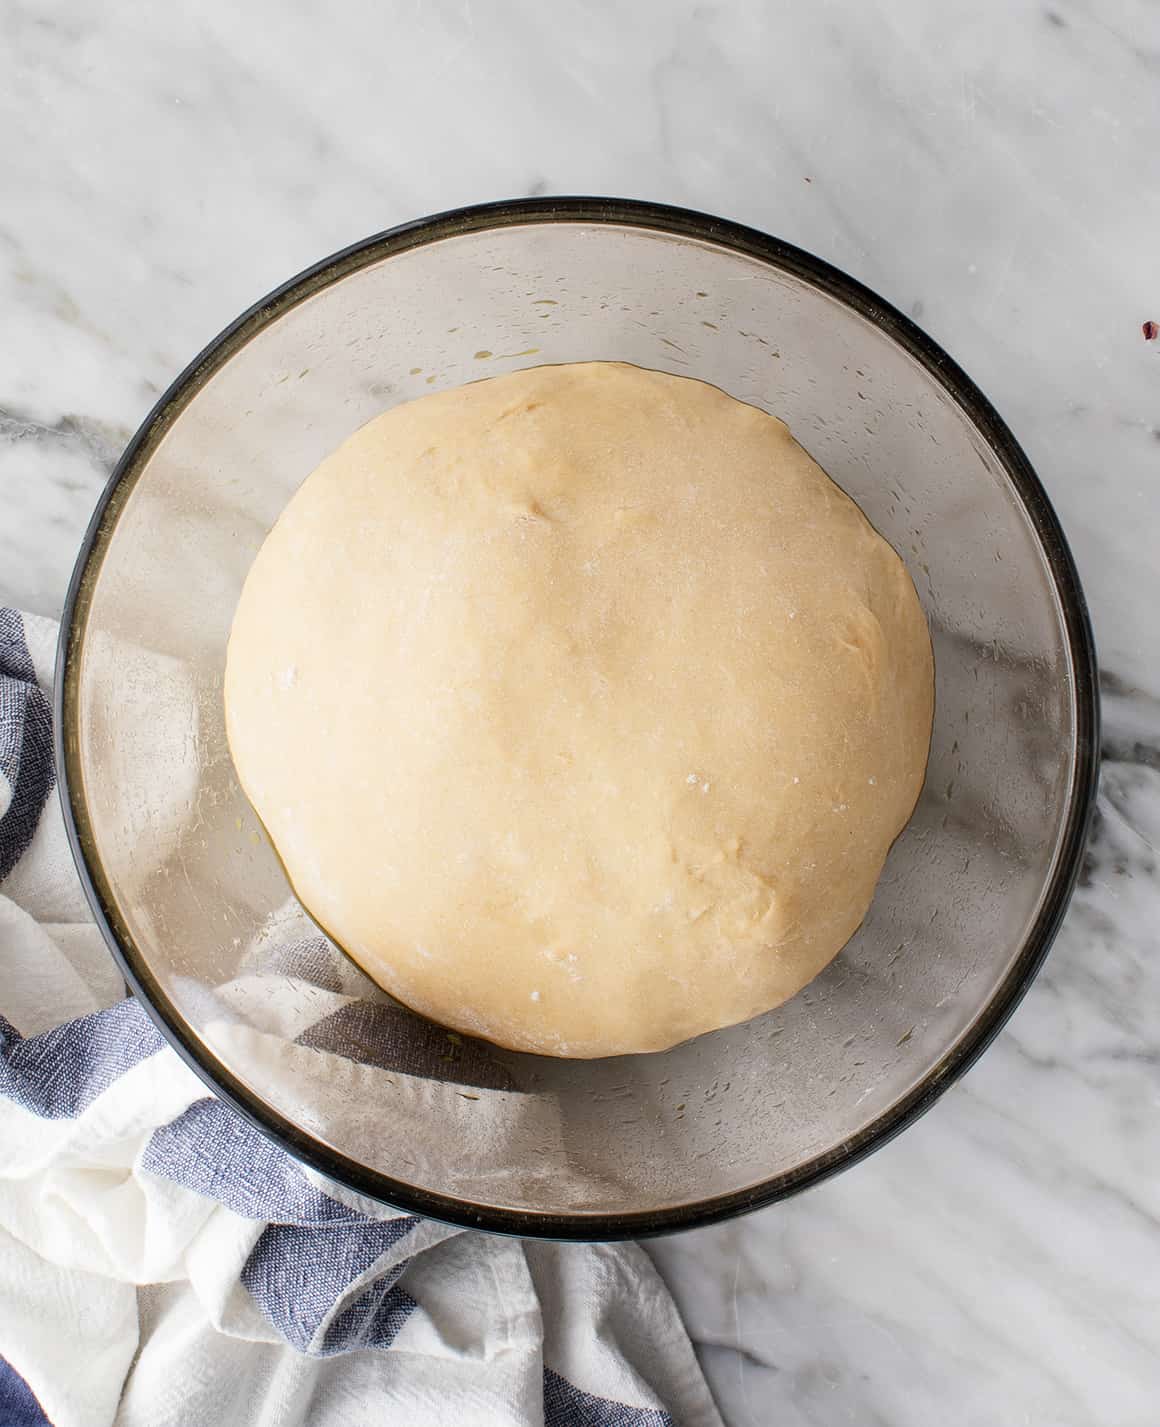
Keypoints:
pixel 992 168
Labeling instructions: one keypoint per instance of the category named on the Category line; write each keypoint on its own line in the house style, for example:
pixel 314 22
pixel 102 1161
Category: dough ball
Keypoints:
pixel 581 706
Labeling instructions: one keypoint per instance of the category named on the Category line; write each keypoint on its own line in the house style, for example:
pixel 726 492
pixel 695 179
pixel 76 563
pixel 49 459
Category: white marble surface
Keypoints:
pixel 993 167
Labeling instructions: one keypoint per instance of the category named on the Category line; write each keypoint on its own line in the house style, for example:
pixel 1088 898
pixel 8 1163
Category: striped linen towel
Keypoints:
pixel 163 1264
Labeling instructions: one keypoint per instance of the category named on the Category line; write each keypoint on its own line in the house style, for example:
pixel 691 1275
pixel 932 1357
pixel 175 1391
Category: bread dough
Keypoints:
pixel 581 707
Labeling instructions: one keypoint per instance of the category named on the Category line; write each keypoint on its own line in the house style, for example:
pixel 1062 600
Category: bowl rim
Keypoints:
pixel 785 258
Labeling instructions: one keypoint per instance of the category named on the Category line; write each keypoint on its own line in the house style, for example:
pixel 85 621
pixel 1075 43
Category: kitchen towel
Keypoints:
pixel 162 1263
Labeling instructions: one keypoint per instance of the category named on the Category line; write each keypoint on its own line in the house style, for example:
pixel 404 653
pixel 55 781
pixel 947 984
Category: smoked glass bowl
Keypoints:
pixel 196 907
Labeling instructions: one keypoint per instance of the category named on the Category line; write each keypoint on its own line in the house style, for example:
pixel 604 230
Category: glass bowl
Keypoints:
pixel 193 900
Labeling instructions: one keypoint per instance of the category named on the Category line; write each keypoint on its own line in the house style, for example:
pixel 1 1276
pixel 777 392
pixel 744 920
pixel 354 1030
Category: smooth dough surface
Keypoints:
pixel 581 707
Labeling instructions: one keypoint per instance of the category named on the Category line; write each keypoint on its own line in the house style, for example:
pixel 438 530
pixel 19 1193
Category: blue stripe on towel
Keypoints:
pixel 568 1406
pixel 313 1248
pixel 59 1073
pixel 25 742
pixel 374 1318
pixel 213 1151
pixel 394 1038
pixel 296 1274
pixel 18 1404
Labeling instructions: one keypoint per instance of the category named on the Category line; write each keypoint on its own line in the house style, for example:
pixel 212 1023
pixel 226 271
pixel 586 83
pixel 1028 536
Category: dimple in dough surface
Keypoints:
pixel 581 706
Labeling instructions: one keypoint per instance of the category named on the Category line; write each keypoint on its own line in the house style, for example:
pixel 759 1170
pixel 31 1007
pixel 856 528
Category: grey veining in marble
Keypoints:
pixel 992 168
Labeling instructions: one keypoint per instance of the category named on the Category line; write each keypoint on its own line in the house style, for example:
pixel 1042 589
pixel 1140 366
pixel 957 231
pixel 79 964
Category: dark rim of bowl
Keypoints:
pixel 818 274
